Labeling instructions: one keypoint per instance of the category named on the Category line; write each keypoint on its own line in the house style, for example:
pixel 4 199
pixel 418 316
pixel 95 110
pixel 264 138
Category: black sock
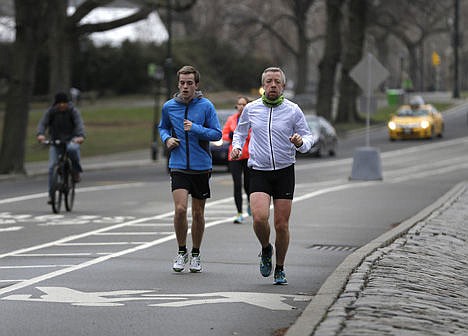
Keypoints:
pixel 195 251
pixel 267 250
pixel 182 249
pixel 279 268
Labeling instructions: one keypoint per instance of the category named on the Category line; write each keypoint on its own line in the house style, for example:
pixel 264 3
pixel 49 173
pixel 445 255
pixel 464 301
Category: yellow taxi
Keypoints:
pixel 416 122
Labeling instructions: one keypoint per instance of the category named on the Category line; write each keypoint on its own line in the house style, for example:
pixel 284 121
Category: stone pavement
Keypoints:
pixel 413 280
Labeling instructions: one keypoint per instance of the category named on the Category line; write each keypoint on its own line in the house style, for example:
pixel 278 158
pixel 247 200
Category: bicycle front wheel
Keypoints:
pixel 69 192
pixel 56 191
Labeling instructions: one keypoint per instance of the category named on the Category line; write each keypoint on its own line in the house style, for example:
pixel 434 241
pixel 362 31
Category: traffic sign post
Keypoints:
pixel 368 74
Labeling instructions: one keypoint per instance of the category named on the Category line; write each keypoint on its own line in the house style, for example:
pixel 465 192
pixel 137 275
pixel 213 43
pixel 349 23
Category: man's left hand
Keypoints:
pixel 296 139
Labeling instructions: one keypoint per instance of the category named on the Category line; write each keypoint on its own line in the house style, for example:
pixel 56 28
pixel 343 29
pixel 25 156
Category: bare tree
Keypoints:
pixel 35 22
pixel 413 22
pixel 274 28
pixel 330 59
pixel 354 39
pixel 65 31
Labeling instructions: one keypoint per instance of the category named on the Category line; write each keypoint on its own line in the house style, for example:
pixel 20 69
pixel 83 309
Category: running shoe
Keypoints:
pixel 265 262
pixel 239 219
pixel 180 261
pixel 280 278
pixel 195 264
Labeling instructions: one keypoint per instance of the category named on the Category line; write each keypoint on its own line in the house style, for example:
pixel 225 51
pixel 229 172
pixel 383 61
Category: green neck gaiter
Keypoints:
pixel 272 103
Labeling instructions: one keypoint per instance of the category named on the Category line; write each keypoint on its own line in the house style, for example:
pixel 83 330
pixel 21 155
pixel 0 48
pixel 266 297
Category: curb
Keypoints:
pixel 317 310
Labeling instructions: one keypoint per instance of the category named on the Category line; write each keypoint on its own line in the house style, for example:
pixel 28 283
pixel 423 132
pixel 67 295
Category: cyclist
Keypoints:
pixel 62 121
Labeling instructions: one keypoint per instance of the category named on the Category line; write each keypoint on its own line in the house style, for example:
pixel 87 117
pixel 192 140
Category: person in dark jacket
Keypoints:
pixel 188 123
pixel 62 121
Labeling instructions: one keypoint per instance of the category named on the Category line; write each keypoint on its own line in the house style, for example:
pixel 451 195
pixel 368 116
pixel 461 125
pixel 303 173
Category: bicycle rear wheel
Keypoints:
pixel 69 192
pixel 56 191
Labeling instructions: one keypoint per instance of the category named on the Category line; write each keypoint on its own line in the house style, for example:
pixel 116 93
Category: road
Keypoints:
pixel 105 268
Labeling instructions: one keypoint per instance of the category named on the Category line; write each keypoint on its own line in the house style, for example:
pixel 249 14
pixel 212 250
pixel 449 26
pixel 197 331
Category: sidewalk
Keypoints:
pixel 412 280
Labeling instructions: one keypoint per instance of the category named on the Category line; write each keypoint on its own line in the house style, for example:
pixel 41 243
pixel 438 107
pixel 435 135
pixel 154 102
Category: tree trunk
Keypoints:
pixel 29 15
pixel 59 44
pixel 330 59
pixel 347 111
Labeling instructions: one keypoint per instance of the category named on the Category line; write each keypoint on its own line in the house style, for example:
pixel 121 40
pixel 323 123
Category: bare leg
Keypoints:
pixel 260 206
pixel 282 212
pixel 180 197
pixel 198 221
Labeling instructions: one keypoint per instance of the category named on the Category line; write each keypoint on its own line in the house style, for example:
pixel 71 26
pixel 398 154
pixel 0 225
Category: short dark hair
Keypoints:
pixel 188 69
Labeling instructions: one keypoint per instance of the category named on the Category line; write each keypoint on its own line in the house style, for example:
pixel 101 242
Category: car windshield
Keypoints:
pixel 412 113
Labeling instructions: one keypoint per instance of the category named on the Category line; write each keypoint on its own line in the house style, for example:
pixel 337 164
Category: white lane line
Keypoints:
pixel 34 266
pixel 134 233
pixel 78 190
pixel 11 229
pixel 11 280
pixel 153 224
pixel 53 255
pixel 101 244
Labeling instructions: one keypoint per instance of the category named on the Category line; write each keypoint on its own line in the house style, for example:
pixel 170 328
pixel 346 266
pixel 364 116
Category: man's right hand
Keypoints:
pixel 172 143
pixel 236 153
pixel 40 138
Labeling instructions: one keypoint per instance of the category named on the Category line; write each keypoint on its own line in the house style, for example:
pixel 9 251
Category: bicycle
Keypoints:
pixel 63 184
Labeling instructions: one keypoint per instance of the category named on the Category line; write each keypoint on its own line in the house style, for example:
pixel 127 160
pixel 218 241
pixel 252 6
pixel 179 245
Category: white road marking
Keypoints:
pixel 78 190
pixel 11 228
pixel 33 266
pixel 100 244
pixel 116 298
pixel 144 233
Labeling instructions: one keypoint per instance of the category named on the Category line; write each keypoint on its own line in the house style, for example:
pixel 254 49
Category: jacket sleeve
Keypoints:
pixel 302 128
pixel 78 121
pixel 43 123
pixel 242 130
pixel 228 129
pixel 164 125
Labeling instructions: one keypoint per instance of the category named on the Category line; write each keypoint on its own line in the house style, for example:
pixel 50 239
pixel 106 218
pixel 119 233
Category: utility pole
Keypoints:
pixel 456 43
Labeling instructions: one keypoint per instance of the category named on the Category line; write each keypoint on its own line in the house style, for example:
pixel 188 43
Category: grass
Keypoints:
pixel 125 123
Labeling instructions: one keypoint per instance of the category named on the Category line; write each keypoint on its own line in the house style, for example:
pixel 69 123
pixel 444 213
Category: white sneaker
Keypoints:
pixel 195 264
pixel 180 261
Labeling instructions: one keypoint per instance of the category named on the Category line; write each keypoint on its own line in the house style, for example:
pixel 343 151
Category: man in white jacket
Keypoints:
pixel 278 129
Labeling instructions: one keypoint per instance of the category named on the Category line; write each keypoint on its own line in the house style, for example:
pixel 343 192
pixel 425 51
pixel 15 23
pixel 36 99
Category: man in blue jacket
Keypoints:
pixel 188 124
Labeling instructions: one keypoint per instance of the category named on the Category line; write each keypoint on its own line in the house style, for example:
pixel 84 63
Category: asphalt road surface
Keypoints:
pixel 106 267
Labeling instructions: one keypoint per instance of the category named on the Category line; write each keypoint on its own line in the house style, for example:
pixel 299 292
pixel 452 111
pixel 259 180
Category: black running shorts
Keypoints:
pixel 198 185
pixel 277 183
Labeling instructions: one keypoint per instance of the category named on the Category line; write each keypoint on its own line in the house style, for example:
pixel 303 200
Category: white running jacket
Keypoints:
pixel 271 128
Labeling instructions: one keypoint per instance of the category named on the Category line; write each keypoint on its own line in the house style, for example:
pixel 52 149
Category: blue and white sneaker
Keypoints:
pixel 280 278
pixel 195 264
pixel 180 261
pixel 265 263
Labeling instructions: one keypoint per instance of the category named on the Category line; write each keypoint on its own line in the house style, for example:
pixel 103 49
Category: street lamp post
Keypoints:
pixel 456 43
pixel 168 62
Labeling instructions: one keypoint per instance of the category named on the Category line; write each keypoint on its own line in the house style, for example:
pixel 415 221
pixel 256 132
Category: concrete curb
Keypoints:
pixel 317 309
